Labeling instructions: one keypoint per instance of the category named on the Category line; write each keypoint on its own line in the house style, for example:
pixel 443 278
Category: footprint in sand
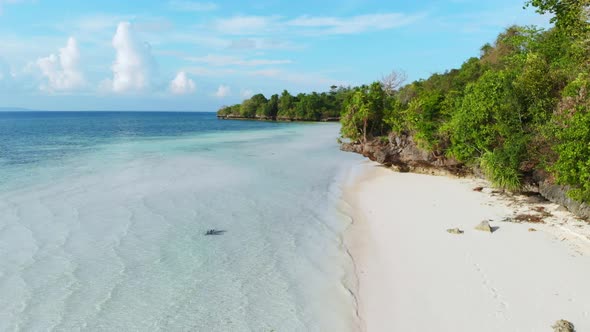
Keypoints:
pixel 501 312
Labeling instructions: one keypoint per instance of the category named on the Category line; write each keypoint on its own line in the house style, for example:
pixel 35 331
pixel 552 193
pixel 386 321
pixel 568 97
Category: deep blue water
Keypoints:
pixel 34 136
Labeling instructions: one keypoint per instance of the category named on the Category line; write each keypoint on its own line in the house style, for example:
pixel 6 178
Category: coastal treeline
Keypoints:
pixel 521 107
pixel 313 106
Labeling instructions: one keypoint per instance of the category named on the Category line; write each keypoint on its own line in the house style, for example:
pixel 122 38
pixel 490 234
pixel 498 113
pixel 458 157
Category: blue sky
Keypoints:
pixel 196 56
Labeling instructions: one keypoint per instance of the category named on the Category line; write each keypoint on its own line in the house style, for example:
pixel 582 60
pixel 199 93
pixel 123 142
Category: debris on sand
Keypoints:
pixel 529 218
pixel 455 231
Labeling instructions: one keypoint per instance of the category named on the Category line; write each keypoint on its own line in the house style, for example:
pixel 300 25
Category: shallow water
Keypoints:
pixel 102 221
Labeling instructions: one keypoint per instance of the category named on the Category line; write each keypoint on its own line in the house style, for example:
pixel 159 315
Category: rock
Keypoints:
pixel 403 153
pixel 562 208
pixel 532 230
pixel 455 231
pixel 563 326
pixel 559 194
pixel 478 189
pixel 484 226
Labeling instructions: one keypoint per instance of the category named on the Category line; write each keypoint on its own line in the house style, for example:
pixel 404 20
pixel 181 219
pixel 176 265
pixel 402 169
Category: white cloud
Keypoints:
pixel 313 25
pixel 212 72
pixel 244 25
pixel 63 70
pixel 224 60
pixel 262 43
pixel 223 91
pixel 181 84
pixel 192 6
pixel 354 24
pixel 14 80
pixel 134 64
pixel 93 23
pixel 246 93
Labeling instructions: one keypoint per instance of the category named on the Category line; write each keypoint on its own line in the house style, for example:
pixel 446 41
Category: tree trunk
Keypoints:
pixel 365 131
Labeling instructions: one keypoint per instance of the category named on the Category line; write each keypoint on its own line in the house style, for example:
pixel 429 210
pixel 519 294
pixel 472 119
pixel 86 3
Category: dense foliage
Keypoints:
pixel 522 106
pixel 302 107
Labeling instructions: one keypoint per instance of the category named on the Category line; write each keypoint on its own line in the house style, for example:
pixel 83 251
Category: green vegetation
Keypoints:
pixel 302 107
pixel 522 106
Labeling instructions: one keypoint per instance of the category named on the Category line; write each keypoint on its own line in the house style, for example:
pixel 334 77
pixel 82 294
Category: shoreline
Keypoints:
pixel 274 119
pixel 413 275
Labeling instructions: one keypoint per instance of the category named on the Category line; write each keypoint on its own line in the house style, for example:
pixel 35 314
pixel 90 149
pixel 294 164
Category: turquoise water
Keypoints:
pixel 102 218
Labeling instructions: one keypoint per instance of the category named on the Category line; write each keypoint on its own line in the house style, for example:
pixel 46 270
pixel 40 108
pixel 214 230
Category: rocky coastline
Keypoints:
pixel 401 153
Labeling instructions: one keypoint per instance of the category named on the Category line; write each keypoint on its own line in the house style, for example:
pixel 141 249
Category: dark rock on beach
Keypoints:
pixel 215 232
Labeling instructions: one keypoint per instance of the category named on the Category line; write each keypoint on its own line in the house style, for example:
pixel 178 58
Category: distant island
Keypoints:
pixel 325 106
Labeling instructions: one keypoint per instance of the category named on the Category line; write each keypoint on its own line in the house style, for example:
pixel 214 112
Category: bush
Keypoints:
pixel 573 136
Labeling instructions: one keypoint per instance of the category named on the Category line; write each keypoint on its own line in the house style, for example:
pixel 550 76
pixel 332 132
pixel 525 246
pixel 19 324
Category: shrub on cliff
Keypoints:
pixel 500 111
pixel 572 133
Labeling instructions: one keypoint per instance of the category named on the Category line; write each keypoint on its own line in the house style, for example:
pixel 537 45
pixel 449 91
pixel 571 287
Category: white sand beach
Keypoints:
pixel 413 275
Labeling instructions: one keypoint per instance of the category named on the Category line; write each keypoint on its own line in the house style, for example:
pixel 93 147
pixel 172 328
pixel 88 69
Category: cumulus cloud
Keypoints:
pixel 134 64
pixel 63 70
pixel 181 84
pixel 223 91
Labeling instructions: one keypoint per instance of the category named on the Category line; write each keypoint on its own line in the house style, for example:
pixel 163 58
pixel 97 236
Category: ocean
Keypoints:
pixel 103 218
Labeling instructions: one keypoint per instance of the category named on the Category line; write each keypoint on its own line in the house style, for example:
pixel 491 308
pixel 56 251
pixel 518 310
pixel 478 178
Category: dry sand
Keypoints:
pixel 412 275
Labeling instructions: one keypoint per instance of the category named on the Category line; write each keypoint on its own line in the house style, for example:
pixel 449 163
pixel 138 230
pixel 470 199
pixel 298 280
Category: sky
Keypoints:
pixel 184 55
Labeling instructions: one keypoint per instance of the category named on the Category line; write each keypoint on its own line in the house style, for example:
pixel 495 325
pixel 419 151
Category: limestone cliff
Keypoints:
pixel 403 154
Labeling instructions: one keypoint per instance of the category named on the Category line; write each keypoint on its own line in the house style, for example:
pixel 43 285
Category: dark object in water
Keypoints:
pixel 214 232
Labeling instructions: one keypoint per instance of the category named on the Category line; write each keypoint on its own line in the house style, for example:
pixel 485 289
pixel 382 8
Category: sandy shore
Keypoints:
pixel 415 276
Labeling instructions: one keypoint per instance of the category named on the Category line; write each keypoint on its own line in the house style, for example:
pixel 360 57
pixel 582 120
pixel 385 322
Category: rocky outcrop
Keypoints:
pixel 558 194
pixel 402 153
